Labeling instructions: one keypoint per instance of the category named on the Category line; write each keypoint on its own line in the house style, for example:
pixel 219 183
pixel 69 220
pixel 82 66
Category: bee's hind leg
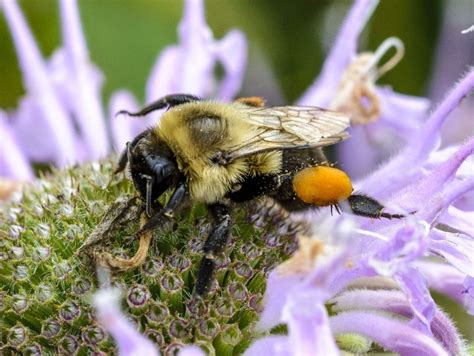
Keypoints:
pixel 215 243
pixel 363 205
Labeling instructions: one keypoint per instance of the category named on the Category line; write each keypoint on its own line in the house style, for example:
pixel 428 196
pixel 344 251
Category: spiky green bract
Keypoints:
pixel 46 286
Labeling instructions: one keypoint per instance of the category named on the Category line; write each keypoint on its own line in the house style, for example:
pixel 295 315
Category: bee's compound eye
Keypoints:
pixel 322 185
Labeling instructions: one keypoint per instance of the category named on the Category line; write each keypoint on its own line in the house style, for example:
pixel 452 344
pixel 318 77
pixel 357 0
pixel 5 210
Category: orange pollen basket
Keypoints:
pixel 322 186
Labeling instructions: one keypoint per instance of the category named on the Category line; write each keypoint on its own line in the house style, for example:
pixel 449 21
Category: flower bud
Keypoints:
pixel 137 298
pixel 93 335
pixel 81 286
pixel 44 292
pixel 69 311
pixel 157 314
pixel 69 345
pixel 17 335
pixel 19 303
pixel 50 328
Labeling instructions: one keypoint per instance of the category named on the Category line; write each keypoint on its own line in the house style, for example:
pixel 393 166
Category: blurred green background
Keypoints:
pixel 287 40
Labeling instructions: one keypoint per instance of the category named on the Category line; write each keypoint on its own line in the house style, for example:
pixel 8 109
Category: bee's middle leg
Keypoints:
pixel 215 243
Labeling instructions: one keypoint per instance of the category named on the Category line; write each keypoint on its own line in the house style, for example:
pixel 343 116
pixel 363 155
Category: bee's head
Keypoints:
pixel 152 166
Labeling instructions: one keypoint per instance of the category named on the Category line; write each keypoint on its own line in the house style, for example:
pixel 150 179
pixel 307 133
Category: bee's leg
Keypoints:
pixel 177 200
pixel 363 205
pixel 164 102
pixel 215 243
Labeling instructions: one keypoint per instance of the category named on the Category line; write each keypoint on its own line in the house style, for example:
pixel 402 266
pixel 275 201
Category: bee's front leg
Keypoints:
pixel 215 243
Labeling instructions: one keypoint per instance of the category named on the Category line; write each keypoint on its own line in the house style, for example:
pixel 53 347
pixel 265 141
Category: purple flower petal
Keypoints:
pixel 129 340
pixel 276 293
pixel 188 67
pixel 395 302
pixel 308 327
pixel 418 194
pixel 392 334
pixel 443 278
pixel 40 88
pixel 123 128
pixel 459 220
pixel 403 113
pixel 13 163
pixel 404 167
pixel 191 351
pixel 469 294
pixel 457 249
pixel 419 297
pixel 86 105
pixel 270 345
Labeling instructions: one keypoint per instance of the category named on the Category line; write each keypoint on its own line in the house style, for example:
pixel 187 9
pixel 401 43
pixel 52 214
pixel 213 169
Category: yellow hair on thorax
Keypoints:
pixel 195 143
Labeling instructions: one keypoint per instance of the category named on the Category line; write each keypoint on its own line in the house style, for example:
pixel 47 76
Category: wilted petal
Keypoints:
pixel 86 80
pixel 124 128
pixel 323 90
pixel 308 327
pixel 270 345
pixel 392 334
pixel 13 163
pixel 129 341
pixel 39 87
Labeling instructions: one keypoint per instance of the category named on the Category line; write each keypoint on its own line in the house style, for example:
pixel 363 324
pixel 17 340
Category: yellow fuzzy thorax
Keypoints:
pixel 196 131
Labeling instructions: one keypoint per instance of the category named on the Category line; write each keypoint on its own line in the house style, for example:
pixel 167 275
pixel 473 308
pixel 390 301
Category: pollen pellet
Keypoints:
pixel 322 185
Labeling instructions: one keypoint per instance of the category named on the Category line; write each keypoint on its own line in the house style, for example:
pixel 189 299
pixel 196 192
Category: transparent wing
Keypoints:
pixel 291 127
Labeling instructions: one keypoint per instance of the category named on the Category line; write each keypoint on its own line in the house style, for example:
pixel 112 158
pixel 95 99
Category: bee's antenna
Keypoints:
pixel 166 101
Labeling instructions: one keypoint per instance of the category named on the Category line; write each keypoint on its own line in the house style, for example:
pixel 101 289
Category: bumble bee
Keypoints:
pixel 222 154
